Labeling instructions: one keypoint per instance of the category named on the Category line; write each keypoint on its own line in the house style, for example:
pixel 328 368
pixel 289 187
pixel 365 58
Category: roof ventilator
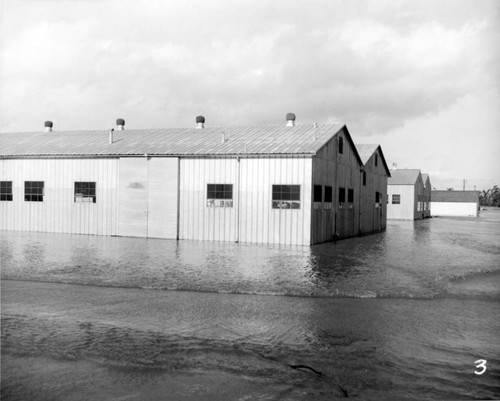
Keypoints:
pixel 48 126
pixel 120 124
pixel 200 122
pixel 290 120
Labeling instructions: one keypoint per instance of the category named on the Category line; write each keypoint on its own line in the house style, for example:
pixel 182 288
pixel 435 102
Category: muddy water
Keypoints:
pixel 406 313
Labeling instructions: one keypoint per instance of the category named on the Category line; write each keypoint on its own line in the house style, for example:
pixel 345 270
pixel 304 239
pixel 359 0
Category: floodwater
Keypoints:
pixel 405 314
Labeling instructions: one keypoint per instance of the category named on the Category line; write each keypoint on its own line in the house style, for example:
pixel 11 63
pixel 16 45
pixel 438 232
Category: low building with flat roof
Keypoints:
pixel 455 203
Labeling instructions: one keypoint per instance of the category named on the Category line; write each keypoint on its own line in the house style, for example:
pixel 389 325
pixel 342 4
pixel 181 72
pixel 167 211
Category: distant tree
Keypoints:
pixel 490 197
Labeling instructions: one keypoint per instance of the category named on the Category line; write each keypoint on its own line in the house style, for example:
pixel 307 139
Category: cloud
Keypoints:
pixel 374 65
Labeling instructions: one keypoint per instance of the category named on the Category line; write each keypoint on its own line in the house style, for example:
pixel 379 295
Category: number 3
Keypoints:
pixel 480 363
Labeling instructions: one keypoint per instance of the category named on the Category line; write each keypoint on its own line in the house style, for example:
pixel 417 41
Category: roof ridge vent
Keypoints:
pixel 290 120
pixel 200 122
pixel 48 126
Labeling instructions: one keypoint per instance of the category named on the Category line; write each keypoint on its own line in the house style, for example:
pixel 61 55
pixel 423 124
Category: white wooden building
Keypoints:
pixel 287 184
pixel 455 203
pixel 406 195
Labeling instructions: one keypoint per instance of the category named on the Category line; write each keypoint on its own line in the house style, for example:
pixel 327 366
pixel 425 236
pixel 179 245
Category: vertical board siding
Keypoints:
pixel 58 212
pixel 148 197
pixel 336 170
pixel 133 197
pixel 251 219
pixel 162 198
pixel 198 221
pixel 373 219
pixel 406 209
pixel 260 223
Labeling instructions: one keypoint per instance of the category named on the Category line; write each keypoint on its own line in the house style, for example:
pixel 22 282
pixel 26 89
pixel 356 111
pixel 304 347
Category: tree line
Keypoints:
pixel 490 197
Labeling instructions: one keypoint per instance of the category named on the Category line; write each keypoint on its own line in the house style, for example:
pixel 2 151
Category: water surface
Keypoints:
pixel 402 314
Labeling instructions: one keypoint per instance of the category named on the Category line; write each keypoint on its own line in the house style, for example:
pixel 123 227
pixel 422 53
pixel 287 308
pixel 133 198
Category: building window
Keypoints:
pixel 328 197
pixel 318 193
pixel 33 191
pixel 377 199
pixel 396 199
pixel 85 192
pixel 317 196
pixel 286 196
pixel 364 178
pixel 5 190
pixel 220 195
pixel 376 160
pixel 341 197
pixel 350 195
pixel 328 194
pixel 341 145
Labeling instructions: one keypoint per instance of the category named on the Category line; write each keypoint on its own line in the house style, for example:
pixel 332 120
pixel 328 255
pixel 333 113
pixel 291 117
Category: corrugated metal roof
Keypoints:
pixel 405 176
pixel 455 196
pixel 300 139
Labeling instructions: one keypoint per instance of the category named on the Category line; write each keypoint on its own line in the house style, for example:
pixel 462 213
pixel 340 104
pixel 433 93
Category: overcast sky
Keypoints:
pixel 421 78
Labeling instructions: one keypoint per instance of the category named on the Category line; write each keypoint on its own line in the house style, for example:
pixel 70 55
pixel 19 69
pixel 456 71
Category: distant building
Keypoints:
pixel 427 195
pixel 287 184
pixel 406 193
pixel 373 193
pixel 455 203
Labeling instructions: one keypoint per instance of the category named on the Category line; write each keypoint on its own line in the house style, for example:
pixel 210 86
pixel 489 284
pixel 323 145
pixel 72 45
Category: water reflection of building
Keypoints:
pixel 288 184
pixel 409 195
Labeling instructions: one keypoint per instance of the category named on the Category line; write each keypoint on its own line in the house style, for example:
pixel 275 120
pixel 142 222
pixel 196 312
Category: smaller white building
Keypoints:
pixel 455 203
pixel 406 195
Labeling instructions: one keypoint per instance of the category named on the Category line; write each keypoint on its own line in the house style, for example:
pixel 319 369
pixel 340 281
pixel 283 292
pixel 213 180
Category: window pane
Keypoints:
pixel 328 194
pixel 286 196
pixel 85 192
pixel 318 193
pixel 341 195
pixel 33 191
pixel 5 190
pixel 220 191
pixel 350 195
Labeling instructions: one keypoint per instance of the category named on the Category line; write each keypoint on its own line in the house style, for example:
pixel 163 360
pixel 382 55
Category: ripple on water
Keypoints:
pixel 411 259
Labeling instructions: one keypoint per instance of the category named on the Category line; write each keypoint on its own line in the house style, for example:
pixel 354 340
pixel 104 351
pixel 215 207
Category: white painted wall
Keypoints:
pixel 407 208
pixel 259 222
pixel 197 221
pixel 148 197
pixel 454 209
pixel 251 218
pixel 58 212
